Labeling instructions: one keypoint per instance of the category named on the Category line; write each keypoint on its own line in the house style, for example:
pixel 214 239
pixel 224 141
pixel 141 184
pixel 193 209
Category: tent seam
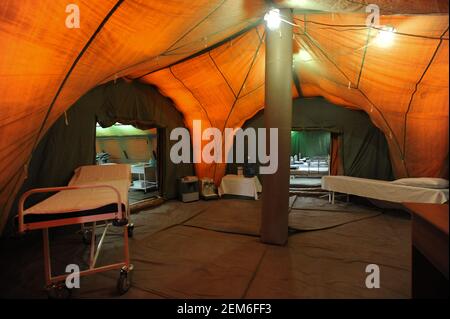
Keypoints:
pixel 251 91
pixel 196 25
pixel 77 59
pixel 363 58
pixel 255 55
pixel 221 73
pixel 363 94
pixel 165 51
pixel 416 87
pixel 230 38
pixel 362 27
pixel 193 95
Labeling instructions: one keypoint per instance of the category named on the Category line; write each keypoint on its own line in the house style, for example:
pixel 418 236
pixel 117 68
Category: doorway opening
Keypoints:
pixel 126 144
pixel 309 158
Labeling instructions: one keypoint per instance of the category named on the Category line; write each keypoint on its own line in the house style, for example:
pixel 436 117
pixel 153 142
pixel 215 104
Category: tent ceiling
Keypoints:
pixel 396 85
pixel 45 67
pixel 387 7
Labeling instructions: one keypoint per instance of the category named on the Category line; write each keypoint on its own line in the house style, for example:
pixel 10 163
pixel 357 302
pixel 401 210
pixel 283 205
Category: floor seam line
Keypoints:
pixel 258 266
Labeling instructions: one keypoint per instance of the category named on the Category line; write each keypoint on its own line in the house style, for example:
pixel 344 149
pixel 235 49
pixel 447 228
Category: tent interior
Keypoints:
pixel 101 93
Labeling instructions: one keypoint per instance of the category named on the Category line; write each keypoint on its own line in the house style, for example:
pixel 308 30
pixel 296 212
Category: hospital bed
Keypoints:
pixel 312 167
pixel 95 194
pixel 394 191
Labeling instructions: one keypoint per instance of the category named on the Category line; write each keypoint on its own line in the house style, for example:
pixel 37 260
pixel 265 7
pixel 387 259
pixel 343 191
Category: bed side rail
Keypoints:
pixel 64 188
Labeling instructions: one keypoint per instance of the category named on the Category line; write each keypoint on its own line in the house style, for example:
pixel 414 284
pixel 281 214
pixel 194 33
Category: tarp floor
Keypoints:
pixel 211 249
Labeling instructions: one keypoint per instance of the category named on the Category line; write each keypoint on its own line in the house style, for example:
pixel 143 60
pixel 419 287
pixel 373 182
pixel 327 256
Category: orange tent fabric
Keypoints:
pixel 394 84
pixel 45 67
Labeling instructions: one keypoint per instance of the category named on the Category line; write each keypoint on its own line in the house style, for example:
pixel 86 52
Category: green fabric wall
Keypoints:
pixel 310 143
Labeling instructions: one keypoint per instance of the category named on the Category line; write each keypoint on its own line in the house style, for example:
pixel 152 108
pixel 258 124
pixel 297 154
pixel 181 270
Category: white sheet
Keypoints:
pixel 384 190
pixel 240 185
pixel 118 176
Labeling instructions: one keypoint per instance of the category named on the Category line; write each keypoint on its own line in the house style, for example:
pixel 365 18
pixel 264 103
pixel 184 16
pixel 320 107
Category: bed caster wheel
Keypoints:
pixel 119 222
pixel 124 281
pixel 87 237
pixel 58 291
pixel 130 230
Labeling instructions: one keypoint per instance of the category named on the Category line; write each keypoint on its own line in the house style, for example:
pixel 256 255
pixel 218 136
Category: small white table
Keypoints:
pixel 146 176
pixel 240 185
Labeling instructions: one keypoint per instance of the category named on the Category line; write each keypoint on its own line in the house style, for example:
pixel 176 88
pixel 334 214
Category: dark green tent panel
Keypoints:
pixel 363 151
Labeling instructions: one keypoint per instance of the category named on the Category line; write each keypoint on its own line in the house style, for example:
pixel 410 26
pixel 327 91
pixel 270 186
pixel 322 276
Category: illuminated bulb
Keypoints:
pixel 305 56
pixel 385 37
pixel 302 56
pixel 273 19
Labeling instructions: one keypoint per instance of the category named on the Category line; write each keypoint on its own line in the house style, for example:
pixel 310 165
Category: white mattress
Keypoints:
pixel 118 176
pixel 384 190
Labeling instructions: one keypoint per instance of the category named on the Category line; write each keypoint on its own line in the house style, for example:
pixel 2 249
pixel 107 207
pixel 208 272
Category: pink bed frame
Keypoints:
pixel 55 282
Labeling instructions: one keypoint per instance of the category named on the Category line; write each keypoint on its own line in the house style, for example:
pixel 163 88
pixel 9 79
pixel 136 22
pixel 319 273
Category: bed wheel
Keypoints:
pixel 130 230
pixel 58 291
pixel 124 282
pixel 87 236
pixel 120 222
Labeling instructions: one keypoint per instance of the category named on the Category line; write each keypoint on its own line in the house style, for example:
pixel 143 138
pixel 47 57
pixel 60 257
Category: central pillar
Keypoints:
pixel 278 114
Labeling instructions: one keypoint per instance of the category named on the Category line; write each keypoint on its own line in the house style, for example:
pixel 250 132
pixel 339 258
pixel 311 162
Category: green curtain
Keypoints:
pixel 310 143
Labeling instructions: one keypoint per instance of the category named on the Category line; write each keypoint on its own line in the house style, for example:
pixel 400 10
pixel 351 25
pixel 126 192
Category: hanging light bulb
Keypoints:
pixel 273 19
pixel 302 56
pixel 385 36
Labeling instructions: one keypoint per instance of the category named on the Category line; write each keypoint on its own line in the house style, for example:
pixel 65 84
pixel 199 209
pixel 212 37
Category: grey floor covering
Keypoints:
pixel 188 251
